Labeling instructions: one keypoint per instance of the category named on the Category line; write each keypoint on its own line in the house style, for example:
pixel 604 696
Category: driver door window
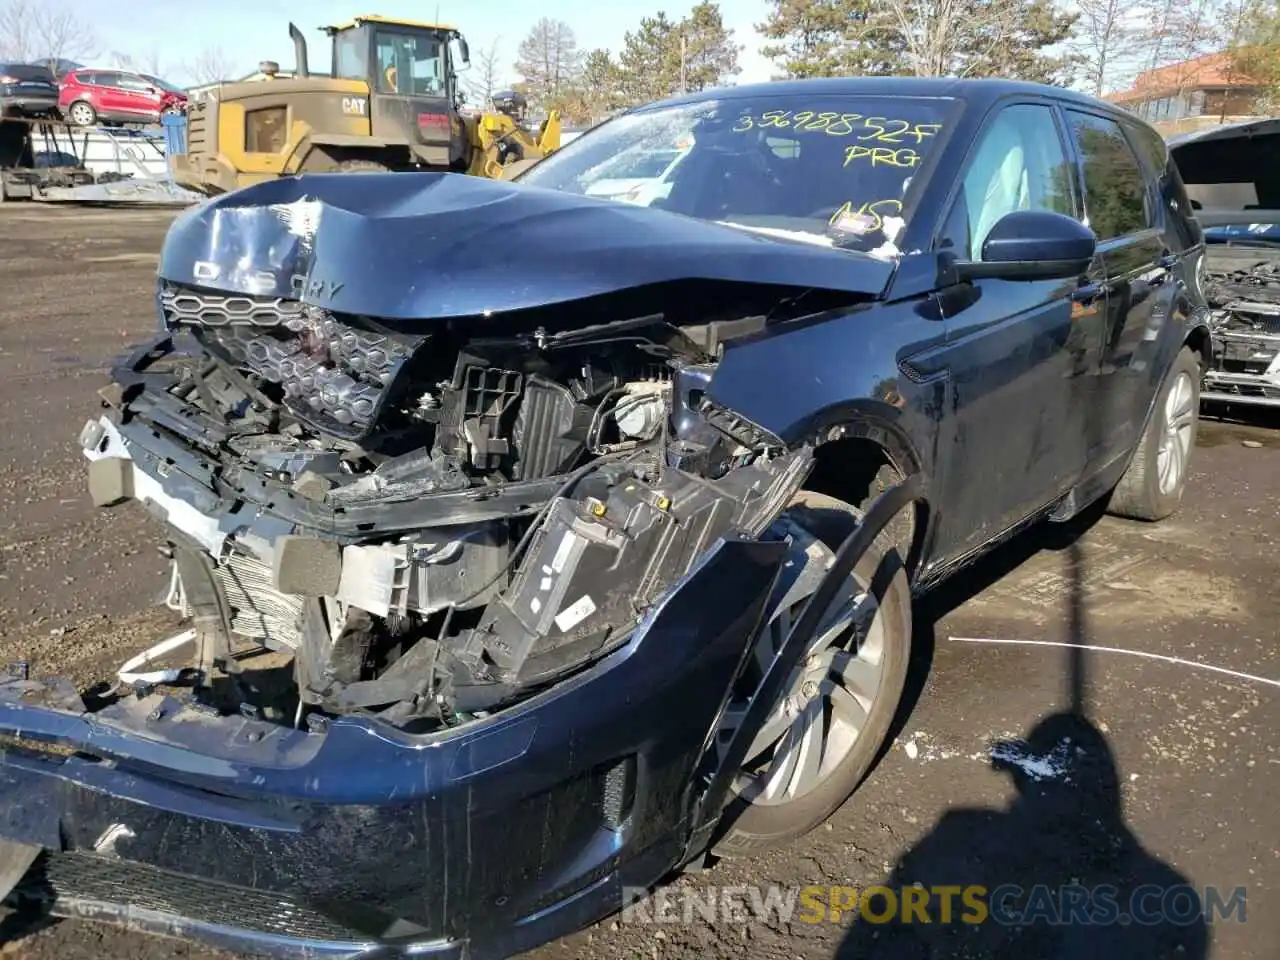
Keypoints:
pixel 1020 164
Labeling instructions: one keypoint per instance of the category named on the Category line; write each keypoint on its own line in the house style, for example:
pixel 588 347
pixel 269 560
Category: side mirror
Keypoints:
pixel 464 51
pixel 1033 245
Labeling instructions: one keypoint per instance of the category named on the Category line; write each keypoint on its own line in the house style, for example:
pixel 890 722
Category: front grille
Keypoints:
pixel 68 877
pixel 332 373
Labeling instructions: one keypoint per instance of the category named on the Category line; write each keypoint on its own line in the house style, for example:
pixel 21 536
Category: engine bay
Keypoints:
pixel 420 526
pixel 1244 298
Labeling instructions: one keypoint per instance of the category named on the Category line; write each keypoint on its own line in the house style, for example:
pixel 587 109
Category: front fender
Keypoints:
pixel 798 379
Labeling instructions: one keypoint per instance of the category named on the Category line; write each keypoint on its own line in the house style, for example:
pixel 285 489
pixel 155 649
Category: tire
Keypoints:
pixel 1151 488
pixel 82 114
pixel 750 824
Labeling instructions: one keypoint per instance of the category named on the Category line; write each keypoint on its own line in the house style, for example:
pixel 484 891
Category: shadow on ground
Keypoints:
pixel 1064 876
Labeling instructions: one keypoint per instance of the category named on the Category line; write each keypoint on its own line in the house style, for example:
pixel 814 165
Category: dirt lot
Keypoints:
pixel 1195 751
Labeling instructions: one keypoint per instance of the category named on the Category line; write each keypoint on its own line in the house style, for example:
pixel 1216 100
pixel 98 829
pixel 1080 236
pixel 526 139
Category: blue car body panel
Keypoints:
pixel 495 828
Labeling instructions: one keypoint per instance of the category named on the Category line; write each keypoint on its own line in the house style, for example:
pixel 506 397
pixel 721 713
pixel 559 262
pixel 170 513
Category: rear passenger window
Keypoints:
pixel 1115 192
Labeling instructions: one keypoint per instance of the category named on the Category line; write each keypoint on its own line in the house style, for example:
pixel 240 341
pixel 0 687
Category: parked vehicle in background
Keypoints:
pixel 92 96
pixel 1232 177
pixel 522 574
pixel 27 90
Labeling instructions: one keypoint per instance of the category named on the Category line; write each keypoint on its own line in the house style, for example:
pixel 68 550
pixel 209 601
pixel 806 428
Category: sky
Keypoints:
pixel 248 31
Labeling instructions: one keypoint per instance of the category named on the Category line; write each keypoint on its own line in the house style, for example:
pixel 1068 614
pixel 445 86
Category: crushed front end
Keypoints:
pixel 1244 298
pixel 466 599
pixel 426 527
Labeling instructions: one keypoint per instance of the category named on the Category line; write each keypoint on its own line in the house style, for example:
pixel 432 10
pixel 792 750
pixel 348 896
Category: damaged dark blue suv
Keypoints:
pixel 535 544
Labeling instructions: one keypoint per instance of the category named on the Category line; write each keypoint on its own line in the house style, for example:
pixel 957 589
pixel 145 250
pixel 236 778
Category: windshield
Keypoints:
pixel 410 63
pixel 26 72
pixel 641 165
pixel 826 169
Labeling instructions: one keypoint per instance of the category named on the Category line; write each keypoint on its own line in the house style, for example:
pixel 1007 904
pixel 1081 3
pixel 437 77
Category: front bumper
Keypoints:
pixel 355 840
pixel 1246 370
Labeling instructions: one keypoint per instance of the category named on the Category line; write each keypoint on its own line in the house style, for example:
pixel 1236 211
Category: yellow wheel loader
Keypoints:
pixel 390 102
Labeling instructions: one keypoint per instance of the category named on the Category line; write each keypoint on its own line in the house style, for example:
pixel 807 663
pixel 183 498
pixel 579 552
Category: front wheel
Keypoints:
pixel 819 741
pixel 1152 486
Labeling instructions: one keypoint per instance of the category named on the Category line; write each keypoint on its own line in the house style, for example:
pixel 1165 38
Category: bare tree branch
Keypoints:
pixel 548 60
pixel 943 37
pixel 44 31
pixel 1107 37
pixel 149 63
pixel 485 71
pixel 213 65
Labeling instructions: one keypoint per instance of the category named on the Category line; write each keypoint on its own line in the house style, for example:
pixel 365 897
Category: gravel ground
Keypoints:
pixel 1188 795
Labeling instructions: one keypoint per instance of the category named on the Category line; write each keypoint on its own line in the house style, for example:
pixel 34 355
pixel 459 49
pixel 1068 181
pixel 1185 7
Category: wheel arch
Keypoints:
pixel 1199 339
pixel 859 449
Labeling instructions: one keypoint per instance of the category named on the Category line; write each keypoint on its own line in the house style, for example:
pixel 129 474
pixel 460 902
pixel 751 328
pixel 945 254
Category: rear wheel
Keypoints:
pixel 820 739
pixel 82 114
pixel 1152 486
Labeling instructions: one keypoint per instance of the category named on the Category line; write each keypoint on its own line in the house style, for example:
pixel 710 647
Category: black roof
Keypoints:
pixel 976 91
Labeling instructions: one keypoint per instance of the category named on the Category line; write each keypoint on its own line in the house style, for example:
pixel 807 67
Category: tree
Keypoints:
pixel 662 58
pixel 966 38
pixel 1254 51
pixel 810 37
pixel 44 31
pixel 601 84
pixel 483 81
pixel 972 38
pixel 649 65
pixel 212 66
pixel 708 55
pixel 148 63
pixel 548 61
pixel 1181 30
pixel 1106 38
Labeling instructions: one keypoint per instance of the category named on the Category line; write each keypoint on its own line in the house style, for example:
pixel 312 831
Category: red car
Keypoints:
pixel 89 96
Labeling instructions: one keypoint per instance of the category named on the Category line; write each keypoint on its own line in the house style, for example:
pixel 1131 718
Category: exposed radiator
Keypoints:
pixel 260 611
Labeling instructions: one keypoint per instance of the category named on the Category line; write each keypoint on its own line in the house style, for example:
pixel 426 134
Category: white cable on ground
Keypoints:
pixel 1132 653
pixel 127 675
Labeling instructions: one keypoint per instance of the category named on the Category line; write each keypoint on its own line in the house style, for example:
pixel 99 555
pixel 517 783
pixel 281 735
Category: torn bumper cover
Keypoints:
pixel 479 842
pixel 467 595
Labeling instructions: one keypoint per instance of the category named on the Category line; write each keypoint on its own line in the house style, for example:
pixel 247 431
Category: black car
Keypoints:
pixel 27 90
pixel 536 544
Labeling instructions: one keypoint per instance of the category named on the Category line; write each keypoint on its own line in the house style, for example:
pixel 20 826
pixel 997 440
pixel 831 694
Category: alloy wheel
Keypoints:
pixel 1174 449
pixel 825 704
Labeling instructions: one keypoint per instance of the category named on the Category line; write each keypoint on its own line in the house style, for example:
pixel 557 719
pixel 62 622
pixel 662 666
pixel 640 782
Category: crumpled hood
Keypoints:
pixel 406 245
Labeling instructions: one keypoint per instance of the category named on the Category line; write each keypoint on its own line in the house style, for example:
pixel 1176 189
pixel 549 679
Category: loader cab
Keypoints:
pixel 400 58
pixel 411 70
